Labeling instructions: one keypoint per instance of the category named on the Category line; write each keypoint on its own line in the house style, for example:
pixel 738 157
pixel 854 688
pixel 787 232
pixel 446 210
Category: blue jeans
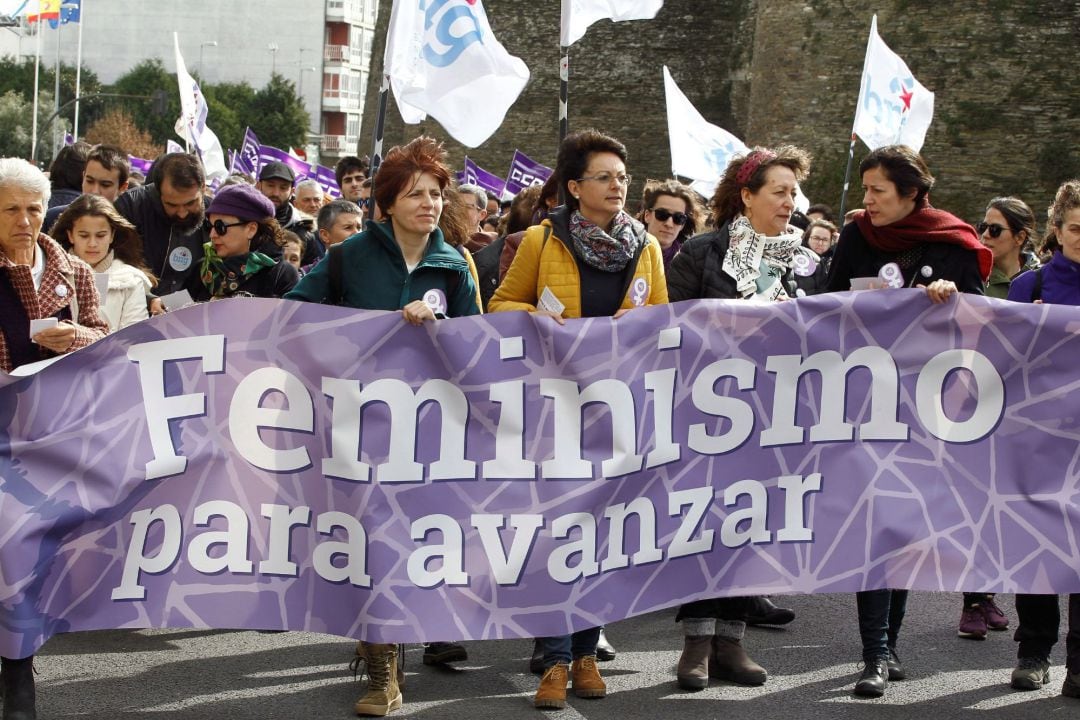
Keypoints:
pixel 564 648
pixel 881 613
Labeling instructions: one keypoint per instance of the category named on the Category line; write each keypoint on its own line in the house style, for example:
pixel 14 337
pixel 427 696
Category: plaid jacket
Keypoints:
pixel 55 293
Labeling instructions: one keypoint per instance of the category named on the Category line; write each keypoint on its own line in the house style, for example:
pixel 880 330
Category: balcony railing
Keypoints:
pixel 338 143
pixel 350 11
pixel 343 54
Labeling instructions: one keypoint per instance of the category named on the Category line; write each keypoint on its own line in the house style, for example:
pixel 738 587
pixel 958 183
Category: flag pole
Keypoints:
pixel 847 178
pixel 78 73
pixel 37 67
pixel 56 86
pixel 564 117
pixel 380 126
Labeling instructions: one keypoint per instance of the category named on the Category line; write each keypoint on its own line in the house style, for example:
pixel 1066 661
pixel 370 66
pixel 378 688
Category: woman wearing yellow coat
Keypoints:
pixel 589 258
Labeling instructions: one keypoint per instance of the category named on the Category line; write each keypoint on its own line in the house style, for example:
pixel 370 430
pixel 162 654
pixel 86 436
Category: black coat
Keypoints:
pixel 271 282
pixel 174 257
pixel 487 269
pixel 854 257
pixel 698 270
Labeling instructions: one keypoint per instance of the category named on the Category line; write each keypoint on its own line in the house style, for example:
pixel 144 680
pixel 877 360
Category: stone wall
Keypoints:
pixel 774 71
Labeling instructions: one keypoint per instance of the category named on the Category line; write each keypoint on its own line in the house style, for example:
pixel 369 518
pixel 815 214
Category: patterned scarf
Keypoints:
pixel 222 276
pixel 610 253
pixel 758 263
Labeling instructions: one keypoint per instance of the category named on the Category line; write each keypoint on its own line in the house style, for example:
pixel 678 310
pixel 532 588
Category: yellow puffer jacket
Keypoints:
pixel 544 261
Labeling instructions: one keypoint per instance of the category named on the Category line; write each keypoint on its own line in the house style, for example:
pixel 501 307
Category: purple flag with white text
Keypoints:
pixel 524 171
pixel 267 154
pixel 473 174
pixel 256 463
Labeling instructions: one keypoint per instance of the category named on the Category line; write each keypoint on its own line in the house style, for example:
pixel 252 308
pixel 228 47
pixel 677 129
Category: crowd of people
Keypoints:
pixel 90 249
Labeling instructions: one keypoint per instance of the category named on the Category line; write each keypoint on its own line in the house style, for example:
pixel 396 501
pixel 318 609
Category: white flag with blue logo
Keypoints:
pixel 894 108
pixel 444 61
pixel 699 149
pixel 578 15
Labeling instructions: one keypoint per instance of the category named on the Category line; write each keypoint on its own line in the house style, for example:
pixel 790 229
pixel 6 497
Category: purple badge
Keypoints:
pixel 804 265
pixel 639 292
pixel 891 275
pixel 436 300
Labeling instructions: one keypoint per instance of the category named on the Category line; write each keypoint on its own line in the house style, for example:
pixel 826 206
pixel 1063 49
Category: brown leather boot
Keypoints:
pixel 552 690
pixel 587 682
pixel 383 693
pixel 729 661
pixel 18 688
pixel 693 670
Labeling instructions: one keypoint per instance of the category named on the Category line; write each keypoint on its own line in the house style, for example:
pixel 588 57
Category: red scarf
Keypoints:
pixel 925 225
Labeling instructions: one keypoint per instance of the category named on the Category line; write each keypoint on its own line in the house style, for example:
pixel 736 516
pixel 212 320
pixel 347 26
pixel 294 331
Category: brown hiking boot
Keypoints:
pixel 729 661
pixel 552 690
pixel 383 693
pixel 587 682
pixel 693 670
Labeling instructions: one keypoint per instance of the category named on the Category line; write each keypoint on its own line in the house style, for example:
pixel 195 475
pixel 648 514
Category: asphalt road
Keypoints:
pixel 812 666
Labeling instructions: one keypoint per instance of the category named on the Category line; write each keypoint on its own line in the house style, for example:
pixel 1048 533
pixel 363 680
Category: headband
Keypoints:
pixel 751 164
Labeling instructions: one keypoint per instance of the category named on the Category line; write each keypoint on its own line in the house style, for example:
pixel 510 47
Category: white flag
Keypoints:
pixel 578 15
pixel 699 149
pixel 894 108
pixel 444 61
pixel 191 125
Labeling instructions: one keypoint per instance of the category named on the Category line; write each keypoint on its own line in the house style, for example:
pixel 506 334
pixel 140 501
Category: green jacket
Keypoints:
pixel 374 275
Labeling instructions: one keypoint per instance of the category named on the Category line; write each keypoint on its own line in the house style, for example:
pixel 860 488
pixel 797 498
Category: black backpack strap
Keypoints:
pixel 335 274
pixel 1036 289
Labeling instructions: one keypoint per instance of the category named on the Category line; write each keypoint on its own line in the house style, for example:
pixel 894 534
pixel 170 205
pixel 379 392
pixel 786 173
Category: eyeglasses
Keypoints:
pixel 606 179
pixel 664 215
pixel 221 227
pixel 994 229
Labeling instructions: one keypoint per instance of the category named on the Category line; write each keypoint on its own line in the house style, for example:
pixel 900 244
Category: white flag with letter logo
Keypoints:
pixel 578 15
pixel 699 149
pixel 894 108
pixel 444 61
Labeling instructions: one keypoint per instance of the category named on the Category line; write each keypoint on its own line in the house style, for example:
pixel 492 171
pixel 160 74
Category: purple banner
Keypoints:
pixel 524 171
pixel 326 178
pixel 247 159
pixel 267 153
pixel 473 174
pixel 271 464
pixel 140 164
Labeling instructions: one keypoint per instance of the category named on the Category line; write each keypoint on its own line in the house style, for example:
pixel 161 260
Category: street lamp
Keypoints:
pixel 202 45
pixel 300 85
pixel 273 48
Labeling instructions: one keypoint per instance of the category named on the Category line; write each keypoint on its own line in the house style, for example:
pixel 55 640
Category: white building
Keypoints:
pixel 231 41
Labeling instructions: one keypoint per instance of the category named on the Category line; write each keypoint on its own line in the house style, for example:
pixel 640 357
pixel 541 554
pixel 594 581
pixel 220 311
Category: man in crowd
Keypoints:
pixel 65 179
pixel 169 216
pixel 476 202
pixel 276 181
pixel 106 173
pixel 350 173
pixel 308 197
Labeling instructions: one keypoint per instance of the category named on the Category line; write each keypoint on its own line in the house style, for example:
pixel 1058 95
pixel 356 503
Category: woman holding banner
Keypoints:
pixel 48 307
pixel 95 232
pixel 898 240
pixel 1040 615
pixel 589 258
pixel 751 256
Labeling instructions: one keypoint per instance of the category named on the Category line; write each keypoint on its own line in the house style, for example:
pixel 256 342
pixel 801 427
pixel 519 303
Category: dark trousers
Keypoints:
pixel 976 598
pixel 881 612
pixel 1037 631
pixel 727 608
pixel 564 648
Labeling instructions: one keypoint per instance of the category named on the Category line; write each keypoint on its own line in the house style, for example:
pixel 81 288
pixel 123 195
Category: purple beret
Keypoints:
pixel 242 201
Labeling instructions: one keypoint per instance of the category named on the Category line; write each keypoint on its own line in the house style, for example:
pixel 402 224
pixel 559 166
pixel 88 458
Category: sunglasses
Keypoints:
pixel 664 215
pixel 994 229
pixel 221 227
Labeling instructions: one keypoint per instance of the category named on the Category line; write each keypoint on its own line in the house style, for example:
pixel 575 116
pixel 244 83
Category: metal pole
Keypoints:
pixel 564 116
pixel 56 91
pixel 847 178
pixel 37 68
pixel 380 123
pixel 78 72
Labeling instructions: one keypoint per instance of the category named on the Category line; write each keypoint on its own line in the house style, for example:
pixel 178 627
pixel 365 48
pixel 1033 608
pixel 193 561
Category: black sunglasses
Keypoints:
pixel 664 215
pixel 994 228
pixel 221 227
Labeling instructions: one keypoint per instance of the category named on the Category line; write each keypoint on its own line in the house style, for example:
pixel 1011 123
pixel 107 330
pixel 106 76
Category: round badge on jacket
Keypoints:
pixel 180 259
pixel 891 275
pixel 436 300
pixel 803 265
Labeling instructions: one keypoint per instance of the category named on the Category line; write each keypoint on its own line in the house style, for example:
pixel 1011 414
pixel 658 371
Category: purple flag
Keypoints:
pixel 140 164
pixel 247 160
pixel 267 154
pixel 326 178
pixel 257 463
pixel 524 171
pixel 475 175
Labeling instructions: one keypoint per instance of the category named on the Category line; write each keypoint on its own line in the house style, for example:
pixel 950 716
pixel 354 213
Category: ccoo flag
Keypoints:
pixel 578 15
pixel 444 61
pixel 894 108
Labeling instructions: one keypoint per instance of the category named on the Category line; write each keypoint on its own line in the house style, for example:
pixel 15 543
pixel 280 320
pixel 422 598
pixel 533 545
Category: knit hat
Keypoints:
pixel 242 201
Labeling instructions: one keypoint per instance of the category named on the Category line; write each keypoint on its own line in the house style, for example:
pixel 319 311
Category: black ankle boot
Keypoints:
pixel 874 679
pixel 18 681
